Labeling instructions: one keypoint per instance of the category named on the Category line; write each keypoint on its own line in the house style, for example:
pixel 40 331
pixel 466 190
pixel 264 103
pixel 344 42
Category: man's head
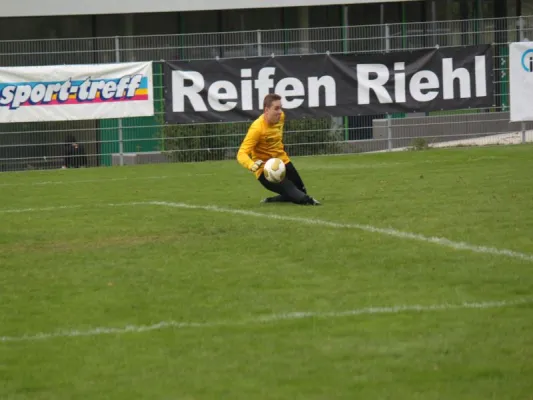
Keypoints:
pixel 272 108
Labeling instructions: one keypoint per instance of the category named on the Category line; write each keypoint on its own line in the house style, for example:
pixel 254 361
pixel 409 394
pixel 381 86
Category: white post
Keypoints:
pixel 345 47
pixel 345 28
pixel 434 40
pixel 389 117
pixel 521 26
pixel 382 24
pixel 389 133
pixel 387 38
pixel 303 25
pixel 120 133
pixel 259 47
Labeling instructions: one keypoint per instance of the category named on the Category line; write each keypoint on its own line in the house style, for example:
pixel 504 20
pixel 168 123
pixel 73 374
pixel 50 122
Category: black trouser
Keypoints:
pixel 291 189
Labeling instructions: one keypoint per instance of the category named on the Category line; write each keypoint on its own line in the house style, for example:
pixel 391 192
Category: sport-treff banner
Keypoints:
pixel 322 85
pixel 76 92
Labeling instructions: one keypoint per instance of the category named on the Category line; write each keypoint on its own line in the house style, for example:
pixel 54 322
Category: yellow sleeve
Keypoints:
pixel 247 145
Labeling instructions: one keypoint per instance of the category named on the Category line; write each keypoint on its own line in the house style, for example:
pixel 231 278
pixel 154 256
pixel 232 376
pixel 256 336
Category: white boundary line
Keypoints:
pixel 273 318
pixel 309 221
pixel 27 210
pixel 367 228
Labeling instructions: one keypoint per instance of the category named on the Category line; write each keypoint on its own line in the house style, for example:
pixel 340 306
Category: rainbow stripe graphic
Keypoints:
pixel 74 92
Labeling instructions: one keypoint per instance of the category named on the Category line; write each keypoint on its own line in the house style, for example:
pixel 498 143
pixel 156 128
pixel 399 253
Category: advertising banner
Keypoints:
pixel 76 92
pixel 322 85
pixel 521 80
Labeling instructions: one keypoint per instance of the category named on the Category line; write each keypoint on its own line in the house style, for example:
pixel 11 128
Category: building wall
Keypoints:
pixel 205 21
pixel 102 7
pixel 153 36
pixel 78 26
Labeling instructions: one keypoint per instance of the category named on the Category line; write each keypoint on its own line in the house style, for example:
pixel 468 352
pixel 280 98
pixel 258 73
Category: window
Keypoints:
pixel 156 23
pixel 199 46
pixel 527 7
pixel 251 19
pixel 322 16
pixel 46 52
pixel 364 14
pixel 45 27
pixel 199 21
pixel 414 11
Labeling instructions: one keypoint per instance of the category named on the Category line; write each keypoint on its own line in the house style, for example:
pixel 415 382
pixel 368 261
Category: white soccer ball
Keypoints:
pixel 274 170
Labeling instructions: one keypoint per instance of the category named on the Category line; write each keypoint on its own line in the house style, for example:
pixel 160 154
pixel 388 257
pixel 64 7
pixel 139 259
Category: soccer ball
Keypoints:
pixel 274 170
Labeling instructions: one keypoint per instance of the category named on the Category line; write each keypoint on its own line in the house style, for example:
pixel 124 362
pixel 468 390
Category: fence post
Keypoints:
pixel 434 37
pixel 389 117
pixel 345 33
pixel 387 38
pixel 389 132
pixel 522 37
pixel 120 133
pixel 259 46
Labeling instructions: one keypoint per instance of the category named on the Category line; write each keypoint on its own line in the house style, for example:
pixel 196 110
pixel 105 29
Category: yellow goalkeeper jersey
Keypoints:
pixel 262 142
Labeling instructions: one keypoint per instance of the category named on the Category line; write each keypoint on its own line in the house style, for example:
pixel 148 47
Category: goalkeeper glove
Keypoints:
pixel 255 166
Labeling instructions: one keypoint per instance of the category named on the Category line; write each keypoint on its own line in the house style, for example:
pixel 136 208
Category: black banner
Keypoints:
pixel 330 85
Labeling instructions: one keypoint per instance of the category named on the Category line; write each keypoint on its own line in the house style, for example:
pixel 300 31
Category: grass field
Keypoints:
pixel 414 280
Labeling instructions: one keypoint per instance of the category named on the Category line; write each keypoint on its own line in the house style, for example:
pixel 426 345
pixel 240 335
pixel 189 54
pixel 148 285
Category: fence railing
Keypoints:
pixel 149 139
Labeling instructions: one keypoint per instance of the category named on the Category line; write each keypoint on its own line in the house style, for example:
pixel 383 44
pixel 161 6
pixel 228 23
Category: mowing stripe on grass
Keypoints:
pixel 103 180
pixel 367 228
pixel 273 318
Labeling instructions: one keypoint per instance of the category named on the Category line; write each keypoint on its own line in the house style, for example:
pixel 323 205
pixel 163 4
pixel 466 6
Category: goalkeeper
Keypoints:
pixel 264 141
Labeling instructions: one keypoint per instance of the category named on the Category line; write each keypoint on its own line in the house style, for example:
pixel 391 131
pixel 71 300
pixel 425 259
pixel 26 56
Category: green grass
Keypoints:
pixel 77 269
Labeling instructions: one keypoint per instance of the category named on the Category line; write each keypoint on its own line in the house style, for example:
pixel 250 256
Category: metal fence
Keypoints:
pixel 149 140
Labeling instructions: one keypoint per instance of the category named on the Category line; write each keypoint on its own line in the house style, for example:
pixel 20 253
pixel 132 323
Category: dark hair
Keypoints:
pixel 269 99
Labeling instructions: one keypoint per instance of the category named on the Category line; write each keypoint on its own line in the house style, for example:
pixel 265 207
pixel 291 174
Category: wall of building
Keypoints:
pixel 206 21
pixel 20 8
pixel 78 26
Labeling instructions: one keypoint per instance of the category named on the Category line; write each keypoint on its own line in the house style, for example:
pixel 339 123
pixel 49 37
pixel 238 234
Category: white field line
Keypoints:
pixel 309 221
pixel 273 318
pixel 27 210
pixel 367 228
